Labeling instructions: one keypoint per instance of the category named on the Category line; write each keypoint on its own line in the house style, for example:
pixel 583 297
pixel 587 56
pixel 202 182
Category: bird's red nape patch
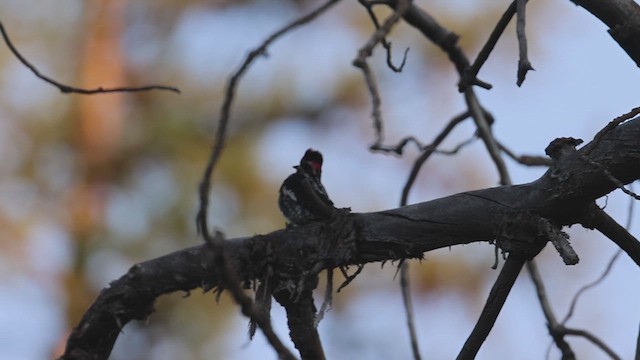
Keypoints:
pixel 315 165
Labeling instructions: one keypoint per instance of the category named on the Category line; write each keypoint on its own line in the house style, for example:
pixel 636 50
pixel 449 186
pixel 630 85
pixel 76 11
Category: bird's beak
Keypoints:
pixel 296 167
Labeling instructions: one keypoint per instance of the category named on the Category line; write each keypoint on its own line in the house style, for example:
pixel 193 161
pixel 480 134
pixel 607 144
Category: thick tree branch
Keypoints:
pixel 623 19
pixel 560 195
pixel 301 319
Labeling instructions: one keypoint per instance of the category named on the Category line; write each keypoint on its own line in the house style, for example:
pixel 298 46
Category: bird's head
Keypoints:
pixel 311 162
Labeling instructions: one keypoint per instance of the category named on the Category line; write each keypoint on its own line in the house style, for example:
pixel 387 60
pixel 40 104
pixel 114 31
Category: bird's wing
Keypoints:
pixel 316 205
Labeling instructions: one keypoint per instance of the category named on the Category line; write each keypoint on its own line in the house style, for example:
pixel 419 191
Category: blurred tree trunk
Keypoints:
pixel 97 137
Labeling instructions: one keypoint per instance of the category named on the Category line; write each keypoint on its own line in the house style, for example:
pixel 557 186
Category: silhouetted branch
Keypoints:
pixel 447 41
pixel 70 89
pixel 637 357
pixel 301 314
pixel 405 286
pixel 528 160
pixel 496 300
pixel 523 63
pixel 559 196
pixel 622 18
pixel 361 62
pixel 470 77
pixel 612 125
pixel 484 130
pixel 228 273
pixel 552 323
pixel 597 342
pixel 225 110
pixel 597 219
pixel 428 151
pixel 349 278
pixel 386 44
pixel 596 282
pixel 230 280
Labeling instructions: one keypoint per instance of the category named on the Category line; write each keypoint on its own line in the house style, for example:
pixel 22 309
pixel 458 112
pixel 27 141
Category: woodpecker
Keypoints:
pixel 302 198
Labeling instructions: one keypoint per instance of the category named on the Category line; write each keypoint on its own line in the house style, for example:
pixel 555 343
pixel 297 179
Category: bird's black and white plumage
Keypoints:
pixel 302 198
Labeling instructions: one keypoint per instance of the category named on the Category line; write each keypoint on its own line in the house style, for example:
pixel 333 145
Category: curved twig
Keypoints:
pixel 427 152
pixel 66 89
pixel 597 342
pixel 379 36
pixel 225 110
pixel 228 273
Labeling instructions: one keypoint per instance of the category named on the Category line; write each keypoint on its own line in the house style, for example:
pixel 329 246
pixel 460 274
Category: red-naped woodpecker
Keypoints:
pixel 302 197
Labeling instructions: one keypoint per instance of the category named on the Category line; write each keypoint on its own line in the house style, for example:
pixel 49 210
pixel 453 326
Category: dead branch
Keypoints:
pixel 66 89
pixel 562 195
pixel 379 36
pixel 552 322
pixel 470 77
pixel 408 306
pixel 497 297
pixel 523 63
pixel 596 218
pixel 621 17
pixel 528 160
pixel 225 110
pixel 228 275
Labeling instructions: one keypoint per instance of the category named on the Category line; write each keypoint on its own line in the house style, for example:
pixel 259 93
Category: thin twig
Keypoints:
pixel 398 149
pixel 385 43
pixel 591 285
pixel 484 130
pixel 497 297
pixel 596 341
pixel 447 41
pixel 602 222
pixel 66 89
pixel 417 165
pixel 231 281
pixel 405 286
pixel 527 160
pixel 457 148
pixel 606 271
pixel 349 278
pixel 610 126
pixel 225 110
pixel 361 62
pixel 469 77
pixel 227 272
pixel 523 63
pixel 596 140
pixel 552 323
pixel 611 178
pixel 408 306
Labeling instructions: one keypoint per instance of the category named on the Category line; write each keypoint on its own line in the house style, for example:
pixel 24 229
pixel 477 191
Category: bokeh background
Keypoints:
pixel 90 185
